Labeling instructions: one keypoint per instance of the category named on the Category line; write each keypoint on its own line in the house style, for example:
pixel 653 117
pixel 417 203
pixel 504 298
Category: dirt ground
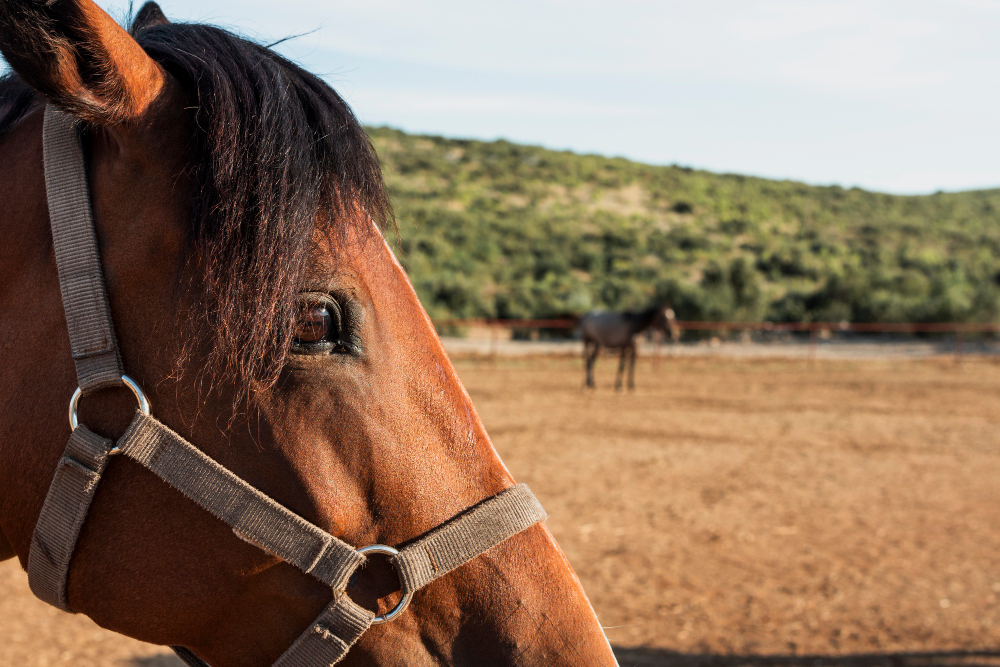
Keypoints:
pixel 730 511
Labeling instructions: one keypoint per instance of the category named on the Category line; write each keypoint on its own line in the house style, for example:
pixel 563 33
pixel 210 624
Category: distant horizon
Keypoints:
pixel 890 96
pixel 678 165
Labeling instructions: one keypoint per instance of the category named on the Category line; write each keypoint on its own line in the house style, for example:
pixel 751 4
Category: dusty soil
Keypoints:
pixel 730 512
pixel 33 634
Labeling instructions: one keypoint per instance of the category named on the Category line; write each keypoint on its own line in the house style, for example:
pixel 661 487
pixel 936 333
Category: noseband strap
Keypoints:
pixel 253 516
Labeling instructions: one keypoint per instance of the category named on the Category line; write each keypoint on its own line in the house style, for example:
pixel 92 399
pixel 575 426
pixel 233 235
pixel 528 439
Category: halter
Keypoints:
pixel 252 515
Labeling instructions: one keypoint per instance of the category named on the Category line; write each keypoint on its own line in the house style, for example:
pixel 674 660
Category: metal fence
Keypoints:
pixel 816 330
pixel 860 327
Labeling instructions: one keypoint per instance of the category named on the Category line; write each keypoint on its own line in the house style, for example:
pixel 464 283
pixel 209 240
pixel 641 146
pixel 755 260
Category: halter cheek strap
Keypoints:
pixel 253 515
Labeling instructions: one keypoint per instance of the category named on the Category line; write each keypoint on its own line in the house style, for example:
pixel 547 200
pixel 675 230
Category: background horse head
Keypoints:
pixel 238 206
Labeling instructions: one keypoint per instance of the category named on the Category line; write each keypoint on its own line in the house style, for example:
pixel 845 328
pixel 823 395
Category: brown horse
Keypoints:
pixel 238 206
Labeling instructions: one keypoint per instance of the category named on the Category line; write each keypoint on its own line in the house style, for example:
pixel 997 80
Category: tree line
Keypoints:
pixel 501 230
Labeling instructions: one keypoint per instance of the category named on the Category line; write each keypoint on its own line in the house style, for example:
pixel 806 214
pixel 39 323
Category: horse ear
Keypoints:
pixel 149 16
pixel 74 54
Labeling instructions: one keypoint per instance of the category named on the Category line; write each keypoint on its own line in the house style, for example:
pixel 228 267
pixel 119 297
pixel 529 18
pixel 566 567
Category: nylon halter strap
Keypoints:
pixel 252 515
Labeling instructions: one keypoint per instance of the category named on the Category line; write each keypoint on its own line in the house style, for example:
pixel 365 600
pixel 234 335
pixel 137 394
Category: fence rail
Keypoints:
pixel 810 327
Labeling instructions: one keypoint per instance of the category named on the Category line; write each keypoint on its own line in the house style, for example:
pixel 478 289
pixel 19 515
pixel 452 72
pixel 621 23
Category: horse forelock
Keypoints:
pixel 277 160
pixel 274 146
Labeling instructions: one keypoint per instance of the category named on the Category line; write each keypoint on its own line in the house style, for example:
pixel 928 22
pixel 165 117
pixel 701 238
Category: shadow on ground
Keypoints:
pixel 650 657
pixel 647 657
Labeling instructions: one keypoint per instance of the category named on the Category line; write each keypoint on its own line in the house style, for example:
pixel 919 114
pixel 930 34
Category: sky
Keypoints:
pixel 894 96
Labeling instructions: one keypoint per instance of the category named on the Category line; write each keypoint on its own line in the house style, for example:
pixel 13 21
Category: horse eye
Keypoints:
pixel 314 326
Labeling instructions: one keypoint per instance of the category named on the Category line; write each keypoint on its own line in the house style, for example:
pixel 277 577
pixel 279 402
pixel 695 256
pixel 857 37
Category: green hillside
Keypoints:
pixel 495 229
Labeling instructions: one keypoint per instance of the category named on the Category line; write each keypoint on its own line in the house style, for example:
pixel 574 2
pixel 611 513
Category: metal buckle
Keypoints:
pixel 389 551
pixel 140 396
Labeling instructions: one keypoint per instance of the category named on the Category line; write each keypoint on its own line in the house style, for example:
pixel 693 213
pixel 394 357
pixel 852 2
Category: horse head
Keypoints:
pixel 665 320
pixel 240 210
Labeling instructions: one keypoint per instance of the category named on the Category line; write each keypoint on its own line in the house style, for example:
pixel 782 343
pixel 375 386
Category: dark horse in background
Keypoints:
pixel 239 208
pixel 613 330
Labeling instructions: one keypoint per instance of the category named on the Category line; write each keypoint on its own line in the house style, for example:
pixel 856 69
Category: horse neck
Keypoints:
pixel 643 320
pixel 29 303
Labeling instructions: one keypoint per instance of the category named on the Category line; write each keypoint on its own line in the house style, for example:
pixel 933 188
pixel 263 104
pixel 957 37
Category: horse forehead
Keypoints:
pixel 361 255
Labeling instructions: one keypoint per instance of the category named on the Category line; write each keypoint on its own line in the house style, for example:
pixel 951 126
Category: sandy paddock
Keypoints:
pixel 729 512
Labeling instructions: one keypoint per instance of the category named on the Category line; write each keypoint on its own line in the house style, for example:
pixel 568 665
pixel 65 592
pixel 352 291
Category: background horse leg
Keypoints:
pixel 631 366
pixel 621 369
pixel 590 350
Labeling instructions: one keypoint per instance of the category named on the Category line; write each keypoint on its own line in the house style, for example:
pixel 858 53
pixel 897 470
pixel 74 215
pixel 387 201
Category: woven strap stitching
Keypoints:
pixel 469 535
pixel 74 238
pixel 63 513
pixel 188 657
pixel 253 515
pixel 94 351
pixel 331 635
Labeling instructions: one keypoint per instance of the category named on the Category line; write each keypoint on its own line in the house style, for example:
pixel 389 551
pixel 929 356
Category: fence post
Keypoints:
pixel 493 340
pixel 813 335
pixel 658 353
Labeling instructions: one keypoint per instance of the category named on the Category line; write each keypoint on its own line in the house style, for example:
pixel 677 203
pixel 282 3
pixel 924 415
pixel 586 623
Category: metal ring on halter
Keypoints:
pixel 140 396
pixel 388 551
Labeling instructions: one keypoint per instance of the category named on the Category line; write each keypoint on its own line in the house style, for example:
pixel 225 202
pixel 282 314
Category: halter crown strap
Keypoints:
pixel 253 515
pixel 81 280
pixel 95 352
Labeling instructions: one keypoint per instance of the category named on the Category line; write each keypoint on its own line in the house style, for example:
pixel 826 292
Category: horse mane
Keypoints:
pixel 643 318
pixel 16 99
pixel 273 147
